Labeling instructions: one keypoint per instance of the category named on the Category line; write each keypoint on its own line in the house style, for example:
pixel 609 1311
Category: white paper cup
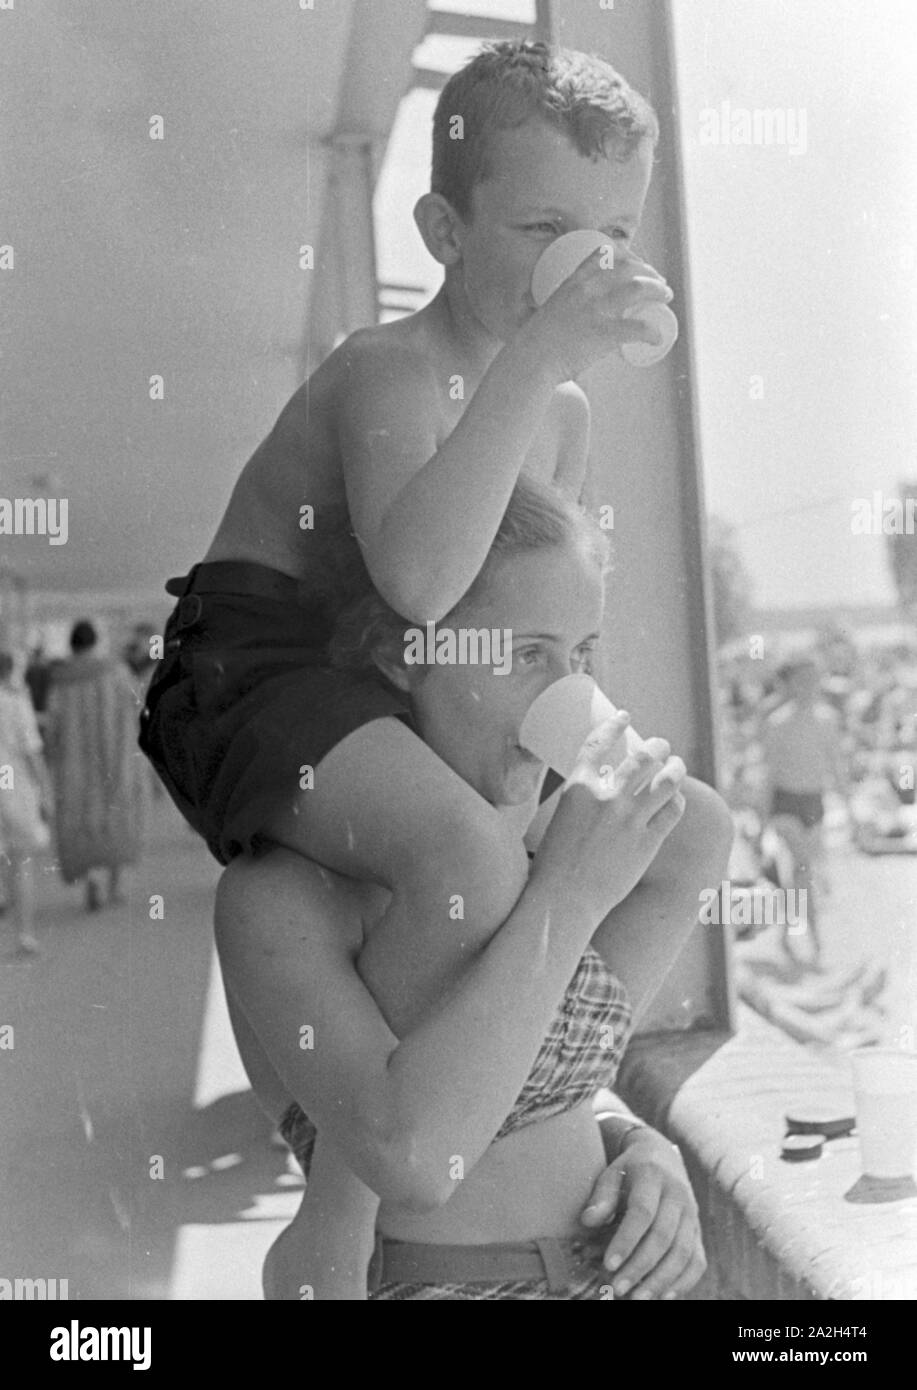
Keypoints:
pixel 659 317
pixel 558 261
pixel 566 254
pixel 562 718
pixel 885 1088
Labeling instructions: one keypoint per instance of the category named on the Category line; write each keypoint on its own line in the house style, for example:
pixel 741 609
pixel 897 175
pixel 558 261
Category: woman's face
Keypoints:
pixel 547 607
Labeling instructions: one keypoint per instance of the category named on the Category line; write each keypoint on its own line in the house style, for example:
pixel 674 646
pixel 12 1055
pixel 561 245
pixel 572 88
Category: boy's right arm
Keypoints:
pixel 426 510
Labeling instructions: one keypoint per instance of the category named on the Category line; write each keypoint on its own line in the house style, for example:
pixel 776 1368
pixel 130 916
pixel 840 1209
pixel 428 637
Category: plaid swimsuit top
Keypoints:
pixel 582 1049
pixel 580 1054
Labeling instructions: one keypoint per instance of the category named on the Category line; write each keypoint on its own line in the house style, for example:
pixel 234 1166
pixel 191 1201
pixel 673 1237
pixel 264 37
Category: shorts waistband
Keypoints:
pixel 240 577
pixel 549 1258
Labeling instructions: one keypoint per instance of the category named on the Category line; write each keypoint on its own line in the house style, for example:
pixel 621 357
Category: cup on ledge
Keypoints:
pixel 558 723
pixel 885 1089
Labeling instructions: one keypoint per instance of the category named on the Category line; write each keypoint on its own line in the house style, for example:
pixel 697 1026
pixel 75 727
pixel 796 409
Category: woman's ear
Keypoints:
pixel 440 226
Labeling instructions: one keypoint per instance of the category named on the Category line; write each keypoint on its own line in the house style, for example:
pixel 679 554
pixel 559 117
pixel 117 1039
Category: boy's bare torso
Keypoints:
pixel 299 464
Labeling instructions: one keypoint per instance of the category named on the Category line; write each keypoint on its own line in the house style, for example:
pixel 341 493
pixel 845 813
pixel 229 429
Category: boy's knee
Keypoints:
pixel 474 853
pixel 705 832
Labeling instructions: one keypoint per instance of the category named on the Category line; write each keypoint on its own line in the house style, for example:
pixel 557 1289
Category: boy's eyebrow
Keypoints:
pixel 551 637
pixel 626 219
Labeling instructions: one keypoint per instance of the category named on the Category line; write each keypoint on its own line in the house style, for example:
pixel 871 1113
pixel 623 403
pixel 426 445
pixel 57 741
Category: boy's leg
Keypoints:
pixel 649 928
pixel 384 807
pixel 326 1250
pixel 662 911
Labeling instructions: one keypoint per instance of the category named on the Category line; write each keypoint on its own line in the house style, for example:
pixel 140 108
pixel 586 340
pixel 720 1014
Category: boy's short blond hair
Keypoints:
pixel 511 82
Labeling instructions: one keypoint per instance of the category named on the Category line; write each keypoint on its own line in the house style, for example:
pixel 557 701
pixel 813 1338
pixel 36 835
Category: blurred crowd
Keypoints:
pixel 817 745
pixel 72 779
pixel 873 691
pixel 868 700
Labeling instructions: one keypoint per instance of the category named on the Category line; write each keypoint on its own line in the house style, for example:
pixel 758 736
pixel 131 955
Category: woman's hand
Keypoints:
pixel 656 1251
pixel 628 809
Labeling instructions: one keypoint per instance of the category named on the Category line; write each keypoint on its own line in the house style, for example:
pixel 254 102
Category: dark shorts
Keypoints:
pixel 245 699
pixel 808 807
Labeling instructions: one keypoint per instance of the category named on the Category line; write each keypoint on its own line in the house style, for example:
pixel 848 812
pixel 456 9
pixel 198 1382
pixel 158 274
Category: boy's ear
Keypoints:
pixel 439 225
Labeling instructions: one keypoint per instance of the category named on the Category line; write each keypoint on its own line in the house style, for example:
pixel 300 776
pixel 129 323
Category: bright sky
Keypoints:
pixel 803 273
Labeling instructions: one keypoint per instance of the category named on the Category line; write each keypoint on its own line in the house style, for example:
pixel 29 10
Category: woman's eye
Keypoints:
pixel 542 227
pixel 526 656
pixel 583 659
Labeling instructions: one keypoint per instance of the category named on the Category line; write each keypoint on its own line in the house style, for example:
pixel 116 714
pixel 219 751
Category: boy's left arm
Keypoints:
pixel 573 441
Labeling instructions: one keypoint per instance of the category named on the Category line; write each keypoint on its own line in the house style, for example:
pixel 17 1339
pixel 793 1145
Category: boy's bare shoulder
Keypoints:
pixel 385 353
pixel 384 382
pixel 366 368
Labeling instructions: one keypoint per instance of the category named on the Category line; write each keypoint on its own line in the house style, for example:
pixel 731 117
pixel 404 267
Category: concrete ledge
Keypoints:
pixel 773 1230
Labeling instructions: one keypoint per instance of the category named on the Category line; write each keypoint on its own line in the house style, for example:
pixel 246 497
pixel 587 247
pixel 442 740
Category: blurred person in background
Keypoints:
pixel 802 760
pixel 137 653
pixel 23 799
pixel 98 777
pixel 141 663
pixel 38 680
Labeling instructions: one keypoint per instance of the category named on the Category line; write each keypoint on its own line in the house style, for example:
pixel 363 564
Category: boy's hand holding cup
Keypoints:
pixel 595 300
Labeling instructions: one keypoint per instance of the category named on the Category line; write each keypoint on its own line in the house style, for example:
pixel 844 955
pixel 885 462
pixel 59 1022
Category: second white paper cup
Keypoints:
pixel 885 1086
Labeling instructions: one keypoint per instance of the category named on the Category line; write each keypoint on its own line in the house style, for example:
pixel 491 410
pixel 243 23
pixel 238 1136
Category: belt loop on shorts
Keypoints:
pixel 556 1267
pixel 189 608
pixel 181 584
pixel 374 1269
pixel 189 611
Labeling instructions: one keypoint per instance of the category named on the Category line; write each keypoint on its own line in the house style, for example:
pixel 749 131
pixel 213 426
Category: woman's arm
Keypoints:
pixel 402 1113
pixel 412 1117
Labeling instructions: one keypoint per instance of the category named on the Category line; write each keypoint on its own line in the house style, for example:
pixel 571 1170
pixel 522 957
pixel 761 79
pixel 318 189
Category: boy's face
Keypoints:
pixel 539 188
